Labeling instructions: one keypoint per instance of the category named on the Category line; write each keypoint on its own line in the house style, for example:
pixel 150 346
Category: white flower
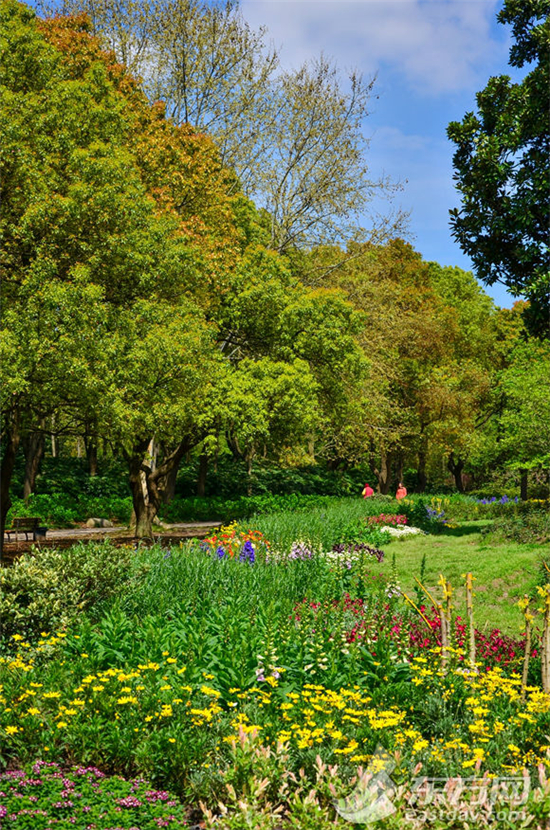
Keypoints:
pixel 400 532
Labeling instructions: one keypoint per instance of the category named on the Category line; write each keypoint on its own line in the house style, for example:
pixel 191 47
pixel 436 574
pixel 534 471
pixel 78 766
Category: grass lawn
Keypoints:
pixel 503 572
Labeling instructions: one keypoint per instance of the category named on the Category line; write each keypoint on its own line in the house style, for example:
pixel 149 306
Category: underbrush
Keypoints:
pixel 49 589
pixel 527 527
pixel 65 510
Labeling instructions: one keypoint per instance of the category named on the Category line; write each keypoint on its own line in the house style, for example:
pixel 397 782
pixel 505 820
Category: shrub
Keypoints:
pixel 48 588
pixel 531 527
pixel 44 795
pixel 65 510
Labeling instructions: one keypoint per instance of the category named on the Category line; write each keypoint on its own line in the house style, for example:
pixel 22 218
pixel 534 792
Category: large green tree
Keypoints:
pixel 502 168
pixel 84 245
pixel 110 208
pixel 524 418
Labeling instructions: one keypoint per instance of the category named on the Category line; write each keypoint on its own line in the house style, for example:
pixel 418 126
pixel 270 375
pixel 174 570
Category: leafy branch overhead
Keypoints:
pixel 502 168
pixel 294 139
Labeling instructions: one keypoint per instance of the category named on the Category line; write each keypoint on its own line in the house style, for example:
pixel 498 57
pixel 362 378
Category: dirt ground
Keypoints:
pixel 169 535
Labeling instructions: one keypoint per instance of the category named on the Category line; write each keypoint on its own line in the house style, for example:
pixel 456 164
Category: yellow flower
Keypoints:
pixel 11 730
pixel 206 690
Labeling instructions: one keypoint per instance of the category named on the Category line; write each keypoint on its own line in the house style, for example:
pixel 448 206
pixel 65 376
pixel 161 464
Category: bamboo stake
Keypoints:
pixel 445 616
pixel 471 628
pixel 524 605
pixel 545 655
pixel 434 602
pixel 416 608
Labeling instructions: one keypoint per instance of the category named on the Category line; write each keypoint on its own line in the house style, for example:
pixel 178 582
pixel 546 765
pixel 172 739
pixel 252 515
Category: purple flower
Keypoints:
pixel 129 801
pixel 247 553
pixel 220 553
pixel 299 550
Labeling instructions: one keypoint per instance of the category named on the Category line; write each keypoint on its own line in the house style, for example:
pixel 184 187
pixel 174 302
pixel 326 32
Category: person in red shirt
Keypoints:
pixel 367 491
pixel 401 491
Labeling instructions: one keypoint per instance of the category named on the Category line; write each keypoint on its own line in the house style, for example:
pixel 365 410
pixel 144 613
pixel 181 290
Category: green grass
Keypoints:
pixel 503 572
pixel 320 525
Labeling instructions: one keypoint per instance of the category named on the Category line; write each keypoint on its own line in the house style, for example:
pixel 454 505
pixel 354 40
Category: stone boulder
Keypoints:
pixel 99 523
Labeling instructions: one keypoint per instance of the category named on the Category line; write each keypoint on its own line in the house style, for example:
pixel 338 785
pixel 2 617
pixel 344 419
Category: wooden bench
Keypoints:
pixel 26 525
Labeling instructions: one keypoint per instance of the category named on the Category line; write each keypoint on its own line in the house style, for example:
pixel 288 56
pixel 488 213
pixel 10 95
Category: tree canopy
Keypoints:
pixel 502 168
pixel 294 139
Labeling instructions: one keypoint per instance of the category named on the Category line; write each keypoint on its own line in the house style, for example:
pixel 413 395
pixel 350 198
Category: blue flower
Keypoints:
pixel 220 553
pixel 247 553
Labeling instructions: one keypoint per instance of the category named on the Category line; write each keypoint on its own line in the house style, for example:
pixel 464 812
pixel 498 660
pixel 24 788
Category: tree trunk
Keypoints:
pixel 203 471
pixel 523 484
pixel 455 468
pixel 421 479
pixel 249 459
pixel 148 486
pixel 400 465
pixel 383 475
pixel 90 445
pixel 233 444
pixel 6 472
pixel 145 509
pixel 169 490
pixel 33 446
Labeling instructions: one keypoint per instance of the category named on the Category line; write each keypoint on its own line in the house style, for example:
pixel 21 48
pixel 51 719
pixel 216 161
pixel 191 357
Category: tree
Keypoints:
pixel 151 276
pixel 85 245
pixel 294 139
pixel 502 168
pixel 524 420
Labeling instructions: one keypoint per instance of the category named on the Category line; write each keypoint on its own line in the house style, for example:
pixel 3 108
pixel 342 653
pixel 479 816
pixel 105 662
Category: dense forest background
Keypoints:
pixel 189 306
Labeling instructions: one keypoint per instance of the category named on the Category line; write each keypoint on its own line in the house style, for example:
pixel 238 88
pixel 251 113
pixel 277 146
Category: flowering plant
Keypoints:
pixel 503 500
pixel 387 519
pixel 44 795
pixel 235 543
pixel 301 550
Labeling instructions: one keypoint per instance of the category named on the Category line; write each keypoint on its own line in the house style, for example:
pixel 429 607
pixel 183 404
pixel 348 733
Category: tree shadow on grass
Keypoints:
pixel 467 529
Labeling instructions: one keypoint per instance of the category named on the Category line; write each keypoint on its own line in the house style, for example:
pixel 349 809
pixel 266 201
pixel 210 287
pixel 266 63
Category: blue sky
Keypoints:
pixel 430 58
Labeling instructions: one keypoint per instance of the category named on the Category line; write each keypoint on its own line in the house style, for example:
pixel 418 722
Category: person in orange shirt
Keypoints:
pixel 367 491
pixel 401 491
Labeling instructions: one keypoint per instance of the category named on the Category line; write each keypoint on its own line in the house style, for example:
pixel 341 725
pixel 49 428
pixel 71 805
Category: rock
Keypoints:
pixel 99 523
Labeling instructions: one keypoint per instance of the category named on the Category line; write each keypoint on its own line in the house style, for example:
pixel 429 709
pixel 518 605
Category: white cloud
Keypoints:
pixel 395 140
pixel 439 46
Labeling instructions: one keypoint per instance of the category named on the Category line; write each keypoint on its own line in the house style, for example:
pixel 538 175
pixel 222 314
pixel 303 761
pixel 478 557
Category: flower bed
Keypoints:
pixel 387 519
pixel 219 678
pixel 45 796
